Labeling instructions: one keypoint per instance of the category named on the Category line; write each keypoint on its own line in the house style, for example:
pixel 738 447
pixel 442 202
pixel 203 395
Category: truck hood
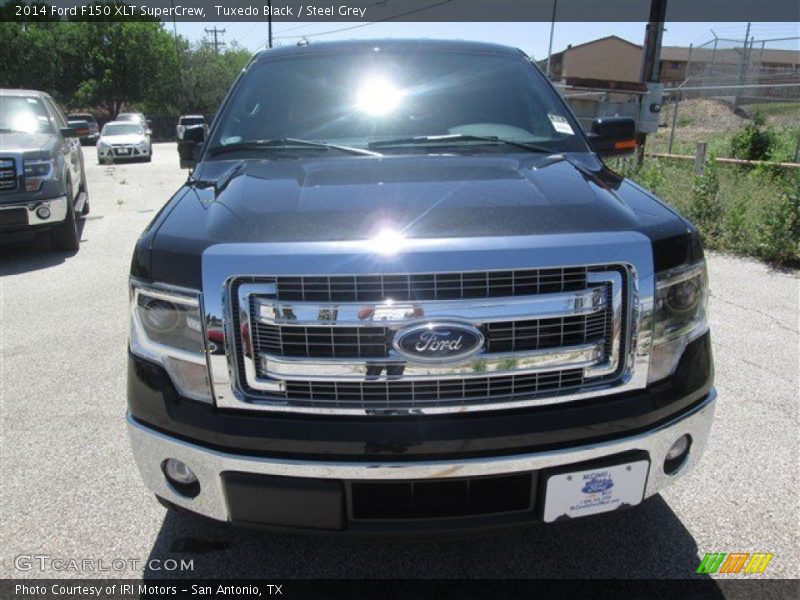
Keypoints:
pixel 19 143
pixel 354 198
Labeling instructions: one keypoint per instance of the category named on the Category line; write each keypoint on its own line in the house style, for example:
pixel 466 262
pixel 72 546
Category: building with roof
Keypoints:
pixel 616 62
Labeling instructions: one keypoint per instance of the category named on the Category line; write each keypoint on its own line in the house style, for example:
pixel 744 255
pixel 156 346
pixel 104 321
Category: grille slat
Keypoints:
pixel 435 286
pixel 375 342
pixel 8 175
pixel 387 394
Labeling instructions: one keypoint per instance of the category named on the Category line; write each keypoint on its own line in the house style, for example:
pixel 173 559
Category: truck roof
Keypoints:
pixel 427 45
pixel 10 92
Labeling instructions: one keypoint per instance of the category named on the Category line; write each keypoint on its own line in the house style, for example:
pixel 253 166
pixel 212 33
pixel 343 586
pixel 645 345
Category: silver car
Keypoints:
pixel 123 141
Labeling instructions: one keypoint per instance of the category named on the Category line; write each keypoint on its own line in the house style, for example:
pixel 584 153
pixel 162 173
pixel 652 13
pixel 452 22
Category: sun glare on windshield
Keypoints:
pixel 25 122
pixel 378 97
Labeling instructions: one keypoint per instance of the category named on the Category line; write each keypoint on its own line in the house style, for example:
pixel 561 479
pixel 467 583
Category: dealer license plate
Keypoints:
pixel 594 491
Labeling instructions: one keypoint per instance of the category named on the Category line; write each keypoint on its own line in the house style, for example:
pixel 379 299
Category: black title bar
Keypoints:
pixel 283 11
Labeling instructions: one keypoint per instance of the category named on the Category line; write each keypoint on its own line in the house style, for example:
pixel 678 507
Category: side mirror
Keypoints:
pixel 69 132
pixel 189 147
pixel 613 136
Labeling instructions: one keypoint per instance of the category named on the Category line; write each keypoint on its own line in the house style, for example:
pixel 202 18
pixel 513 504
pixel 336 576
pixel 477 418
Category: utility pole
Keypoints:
pixel 651 62
pixel 269 24
pixel 177 56
pixel 217 43
pixel 743 67
pixel 552 29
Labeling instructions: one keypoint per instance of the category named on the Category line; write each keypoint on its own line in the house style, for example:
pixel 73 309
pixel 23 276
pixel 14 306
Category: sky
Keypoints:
pixel 533 38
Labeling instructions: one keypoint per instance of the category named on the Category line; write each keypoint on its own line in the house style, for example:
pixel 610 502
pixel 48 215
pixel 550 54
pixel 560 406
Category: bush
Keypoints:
pixel 649 175
pixel 778 233
pixel 755 142
pixel 705 209
pixel 738 231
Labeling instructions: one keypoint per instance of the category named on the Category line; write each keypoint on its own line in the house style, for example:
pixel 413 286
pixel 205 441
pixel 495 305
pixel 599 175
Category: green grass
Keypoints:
pixel 719 143
pixel 769 109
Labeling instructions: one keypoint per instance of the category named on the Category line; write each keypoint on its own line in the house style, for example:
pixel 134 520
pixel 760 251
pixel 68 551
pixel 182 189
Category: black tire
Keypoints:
pixel 66 236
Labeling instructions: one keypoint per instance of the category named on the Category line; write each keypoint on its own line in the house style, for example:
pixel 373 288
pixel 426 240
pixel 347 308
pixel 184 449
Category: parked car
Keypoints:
pixel 402 291
pixel 42 181
pixel 88 134
pixel 123 140
pixel 136 117
pixel 186 148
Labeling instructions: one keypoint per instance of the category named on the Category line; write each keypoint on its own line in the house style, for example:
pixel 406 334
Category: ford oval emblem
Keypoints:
pixel 439 341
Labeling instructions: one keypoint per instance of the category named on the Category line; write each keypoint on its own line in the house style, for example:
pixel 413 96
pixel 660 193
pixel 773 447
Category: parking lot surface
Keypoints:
pixel 70 488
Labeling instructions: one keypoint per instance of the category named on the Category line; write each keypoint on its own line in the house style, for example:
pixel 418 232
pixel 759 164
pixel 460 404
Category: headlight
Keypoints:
pixel 166 327
pixel 37 172
pixel 102 144
pixel 142 145
pixel 679 316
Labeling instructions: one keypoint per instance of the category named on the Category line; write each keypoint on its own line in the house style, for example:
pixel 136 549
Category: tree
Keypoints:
pixel 108 65
pixel 124 63
pixel 207 75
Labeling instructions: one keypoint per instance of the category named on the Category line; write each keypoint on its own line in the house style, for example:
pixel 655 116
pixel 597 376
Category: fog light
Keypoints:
pixel 181 477
pixel 677 454
pixel 43 212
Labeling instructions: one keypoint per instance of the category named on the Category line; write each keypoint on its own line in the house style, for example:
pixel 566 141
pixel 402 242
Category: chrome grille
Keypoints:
pixel 8 175
pixel 443 392
pixel 319 354
pixel 430 286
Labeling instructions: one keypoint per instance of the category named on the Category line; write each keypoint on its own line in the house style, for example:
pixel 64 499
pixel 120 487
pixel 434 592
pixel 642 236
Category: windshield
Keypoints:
pixel 122 129
pixel 77 117
pixel 360 98
pixel 130 117
pixel 193 121
pixel 23 114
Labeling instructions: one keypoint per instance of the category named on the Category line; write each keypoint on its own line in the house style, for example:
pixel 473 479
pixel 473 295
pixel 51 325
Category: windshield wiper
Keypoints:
pixel 459 137
pixel 284 143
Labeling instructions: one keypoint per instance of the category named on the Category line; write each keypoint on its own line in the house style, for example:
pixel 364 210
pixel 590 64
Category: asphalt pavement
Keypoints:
pixel 70 489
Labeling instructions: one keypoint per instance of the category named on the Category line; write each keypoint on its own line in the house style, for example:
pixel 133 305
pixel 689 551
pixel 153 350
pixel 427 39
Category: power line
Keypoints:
pixel 307 25
pixel 391 18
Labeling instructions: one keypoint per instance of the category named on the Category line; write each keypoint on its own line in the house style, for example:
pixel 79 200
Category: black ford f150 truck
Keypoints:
pixel 401 292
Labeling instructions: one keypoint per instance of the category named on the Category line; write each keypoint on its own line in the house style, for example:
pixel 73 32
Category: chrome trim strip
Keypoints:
pixel 614 359
pixel 517 363
pixel 151 448
pixel 475 311
pixel 225 263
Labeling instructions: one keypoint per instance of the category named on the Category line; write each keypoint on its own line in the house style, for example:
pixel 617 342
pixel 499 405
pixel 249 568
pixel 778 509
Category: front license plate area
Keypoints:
pixel 594 490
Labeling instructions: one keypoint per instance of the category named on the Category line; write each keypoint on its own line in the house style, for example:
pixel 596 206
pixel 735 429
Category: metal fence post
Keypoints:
pixel 674 120
pixel 797 147
pixel 700 157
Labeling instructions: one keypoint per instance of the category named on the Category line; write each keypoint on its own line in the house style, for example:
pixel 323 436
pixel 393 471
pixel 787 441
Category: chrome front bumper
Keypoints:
pixel 151 448
pixel 57 206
